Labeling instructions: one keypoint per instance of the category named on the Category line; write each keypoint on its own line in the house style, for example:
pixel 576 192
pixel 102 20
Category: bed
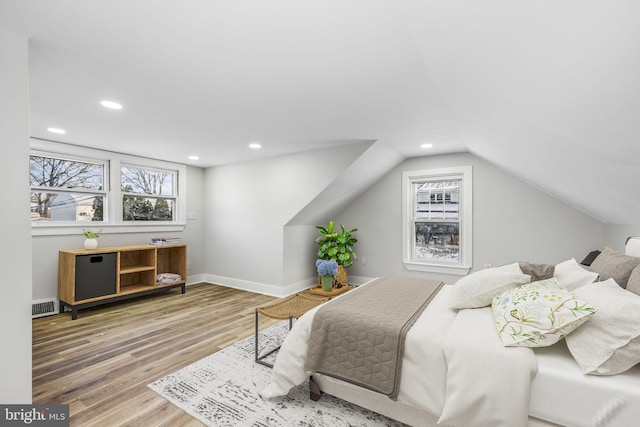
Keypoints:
pixel 457 370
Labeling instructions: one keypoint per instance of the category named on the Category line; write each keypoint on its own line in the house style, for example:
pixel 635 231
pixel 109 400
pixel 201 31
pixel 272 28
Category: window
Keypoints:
pixel 64 189
pixel 72 186
pixel 437 220
pixel 148 194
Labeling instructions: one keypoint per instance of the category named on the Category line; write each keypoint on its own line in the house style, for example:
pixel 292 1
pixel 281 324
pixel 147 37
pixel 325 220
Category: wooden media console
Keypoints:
pixel 91 277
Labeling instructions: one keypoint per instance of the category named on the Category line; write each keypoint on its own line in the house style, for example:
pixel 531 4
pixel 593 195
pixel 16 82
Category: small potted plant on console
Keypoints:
pixel 91 241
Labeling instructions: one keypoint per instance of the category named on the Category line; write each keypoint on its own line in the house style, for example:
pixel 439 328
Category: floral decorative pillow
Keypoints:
pixel 538 314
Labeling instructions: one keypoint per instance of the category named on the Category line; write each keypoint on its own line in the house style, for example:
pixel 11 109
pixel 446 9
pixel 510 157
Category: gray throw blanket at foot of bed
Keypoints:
pixel 359 337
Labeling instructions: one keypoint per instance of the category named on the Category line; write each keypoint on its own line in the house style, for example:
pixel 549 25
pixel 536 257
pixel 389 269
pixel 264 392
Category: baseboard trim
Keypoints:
pixel 196 278
pixel 271 290
pixel 260 288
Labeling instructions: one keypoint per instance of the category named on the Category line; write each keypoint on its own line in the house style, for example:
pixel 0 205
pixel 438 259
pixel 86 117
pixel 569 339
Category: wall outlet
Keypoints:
pixel 188 265
pixel 363 260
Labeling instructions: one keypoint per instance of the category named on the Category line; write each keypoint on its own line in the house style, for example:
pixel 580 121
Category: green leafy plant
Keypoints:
pixel 89 234
pixel 336 245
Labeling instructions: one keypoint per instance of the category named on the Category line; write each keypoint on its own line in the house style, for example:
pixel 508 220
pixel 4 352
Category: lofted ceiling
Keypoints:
pixel 548 90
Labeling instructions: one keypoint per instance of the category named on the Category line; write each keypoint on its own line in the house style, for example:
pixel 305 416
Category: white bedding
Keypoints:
pixel 488 384
pixel 440 337
pixel 560 393
pixel 456 368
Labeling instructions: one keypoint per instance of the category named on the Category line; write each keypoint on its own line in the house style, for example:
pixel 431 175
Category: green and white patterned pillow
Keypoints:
pixel 538 314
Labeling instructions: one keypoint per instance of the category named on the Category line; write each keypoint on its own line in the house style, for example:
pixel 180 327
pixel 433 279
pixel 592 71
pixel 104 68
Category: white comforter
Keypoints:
pixel 454 366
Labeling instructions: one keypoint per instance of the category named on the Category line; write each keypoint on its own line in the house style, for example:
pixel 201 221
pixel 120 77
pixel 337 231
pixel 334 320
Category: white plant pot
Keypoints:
pixel 90 243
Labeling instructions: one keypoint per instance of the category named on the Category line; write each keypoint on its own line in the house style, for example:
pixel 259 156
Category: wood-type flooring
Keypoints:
pixel 101 363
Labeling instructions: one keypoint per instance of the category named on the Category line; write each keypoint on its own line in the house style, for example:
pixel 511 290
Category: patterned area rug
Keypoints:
pixel 222 390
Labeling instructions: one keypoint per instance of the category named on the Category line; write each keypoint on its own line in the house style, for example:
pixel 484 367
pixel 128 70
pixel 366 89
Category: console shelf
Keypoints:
pixel 90 277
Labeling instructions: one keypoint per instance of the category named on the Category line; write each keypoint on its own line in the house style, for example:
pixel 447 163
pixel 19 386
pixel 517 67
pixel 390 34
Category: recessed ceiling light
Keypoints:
pixel 426 146
pixel 255 145
pixel 111 104
pixel 194 157
pixel 56 130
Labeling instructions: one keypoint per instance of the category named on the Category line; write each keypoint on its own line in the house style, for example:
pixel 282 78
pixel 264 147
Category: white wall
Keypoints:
pixel 513 221
pixel 15 315
pixel 616 236
pixel 299 254
pixel 248 206
pixel 194 230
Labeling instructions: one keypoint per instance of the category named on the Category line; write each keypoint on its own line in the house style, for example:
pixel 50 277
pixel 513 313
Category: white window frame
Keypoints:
pixel 465 261
pixel 113 209
pixel 173 197
pixel 104 192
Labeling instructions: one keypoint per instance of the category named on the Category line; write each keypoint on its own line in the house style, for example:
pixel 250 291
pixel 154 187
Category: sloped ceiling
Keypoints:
pixel 548 90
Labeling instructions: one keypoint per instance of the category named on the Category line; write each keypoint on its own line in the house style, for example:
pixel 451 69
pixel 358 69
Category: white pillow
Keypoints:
pixel 478 288
pixel 571 275
pixel 538 314
pixel 609 343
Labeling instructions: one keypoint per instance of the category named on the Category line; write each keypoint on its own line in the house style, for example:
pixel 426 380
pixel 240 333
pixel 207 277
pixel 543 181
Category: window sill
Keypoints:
pixel 60 230
pixel 458 270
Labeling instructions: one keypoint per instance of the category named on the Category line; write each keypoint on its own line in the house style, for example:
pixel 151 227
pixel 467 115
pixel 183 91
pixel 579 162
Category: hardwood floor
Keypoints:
pixel 101 363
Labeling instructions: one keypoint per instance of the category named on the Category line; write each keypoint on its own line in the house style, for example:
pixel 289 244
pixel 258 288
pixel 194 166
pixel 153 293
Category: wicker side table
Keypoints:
pixel 290 307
